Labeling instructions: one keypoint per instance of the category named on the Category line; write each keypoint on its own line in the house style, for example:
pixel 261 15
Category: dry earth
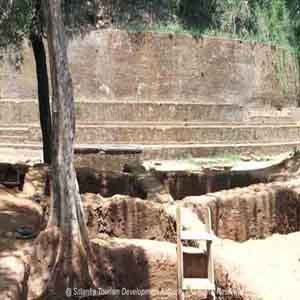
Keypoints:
pixel 269 268
pixel 266 269
pixel 15 212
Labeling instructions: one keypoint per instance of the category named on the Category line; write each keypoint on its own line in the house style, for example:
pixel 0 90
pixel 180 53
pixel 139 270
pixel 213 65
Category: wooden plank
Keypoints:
pixel 197 284
pixel 210 266
pixel 193 235
pixel 192 250
pixel 108 149
pixel 179 256
pixel 211 275
pixel 208 223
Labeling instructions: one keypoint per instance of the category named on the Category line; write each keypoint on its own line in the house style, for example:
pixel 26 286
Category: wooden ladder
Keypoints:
pixel 186 283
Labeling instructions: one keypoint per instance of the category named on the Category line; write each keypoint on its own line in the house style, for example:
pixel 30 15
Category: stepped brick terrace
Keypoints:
pixel 172 95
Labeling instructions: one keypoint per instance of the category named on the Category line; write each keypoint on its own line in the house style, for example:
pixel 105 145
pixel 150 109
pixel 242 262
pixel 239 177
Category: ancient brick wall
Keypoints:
pixel 114 65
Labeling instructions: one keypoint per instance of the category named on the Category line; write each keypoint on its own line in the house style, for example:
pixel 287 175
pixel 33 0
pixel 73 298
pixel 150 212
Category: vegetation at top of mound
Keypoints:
pixel 268 21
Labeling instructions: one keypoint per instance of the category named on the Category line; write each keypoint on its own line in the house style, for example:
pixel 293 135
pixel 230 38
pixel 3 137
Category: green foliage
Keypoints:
pixel 79 16
pixel 15 20
pixel 294 9
pixel 274 23
pixel 271 21
pixel 235 17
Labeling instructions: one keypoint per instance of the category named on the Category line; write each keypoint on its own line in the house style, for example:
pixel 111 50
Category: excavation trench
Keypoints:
pixel 240 214
pixel 243 206
pixel 256 212
pixel 107 184
pixel 179 184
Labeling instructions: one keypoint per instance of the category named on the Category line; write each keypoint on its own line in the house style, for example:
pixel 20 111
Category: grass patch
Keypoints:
pixel 273 22
pixel 179 28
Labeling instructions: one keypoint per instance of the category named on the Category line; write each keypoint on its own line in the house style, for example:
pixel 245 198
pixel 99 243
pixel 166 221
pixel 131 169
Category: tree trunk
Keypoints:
pixel 43 92
pixel 63 253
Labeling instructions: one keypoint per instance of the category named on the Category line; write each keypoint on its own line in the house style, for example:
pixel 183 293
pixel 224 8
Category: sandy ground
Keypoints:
pixel 19 155
pixel 234 163
pixel 270 268
pixel 12 155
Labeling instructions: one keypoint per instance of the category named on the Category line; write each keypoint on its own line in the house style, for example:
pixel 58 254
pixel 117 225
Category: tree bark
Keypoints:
pixel 63 257
pixel 43 93
pixel 67 211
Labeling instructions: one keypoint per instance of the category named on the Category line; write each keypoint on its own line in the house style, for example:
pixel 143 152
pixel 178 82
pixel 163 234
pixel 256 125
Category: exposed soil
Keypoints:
pixel 15 213
pixel 270 268
pixel 255 269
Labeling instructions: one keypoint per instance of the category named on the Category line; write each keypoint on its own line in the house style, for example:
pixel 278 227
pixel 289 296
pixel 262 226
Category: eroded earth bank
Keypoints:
pixel 256 227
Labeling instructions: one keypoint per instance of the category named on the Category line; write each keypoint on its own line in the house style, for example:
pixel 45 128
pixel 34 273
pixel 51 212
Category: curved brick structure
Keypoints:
pixel 113 65
pixel 174 94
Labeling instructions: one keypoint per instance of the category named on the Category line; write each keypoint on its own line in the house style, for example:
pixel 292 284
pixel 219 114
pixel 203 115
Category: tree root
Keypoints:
pixel 58 266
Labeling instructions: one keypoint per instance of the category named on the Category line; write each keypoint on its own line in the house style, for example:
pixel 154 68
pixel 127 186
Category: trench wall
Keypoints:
pixel 126 217
pixel 253 212
pixel 240 214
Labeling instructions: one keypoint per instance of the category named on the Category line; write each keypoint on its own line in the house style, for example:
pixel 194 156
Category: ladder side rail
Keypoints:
pixel 180 294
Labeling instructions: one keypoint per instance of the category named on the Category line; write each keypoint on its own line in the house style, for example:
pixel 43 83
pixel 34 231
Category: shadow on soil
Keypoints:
pixel 129 268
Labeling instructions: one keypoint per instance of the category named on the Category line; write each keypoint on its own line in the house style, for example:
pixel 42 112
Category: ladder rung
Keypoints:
pixel 193 235
pixel 192 250
pixel 197 284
